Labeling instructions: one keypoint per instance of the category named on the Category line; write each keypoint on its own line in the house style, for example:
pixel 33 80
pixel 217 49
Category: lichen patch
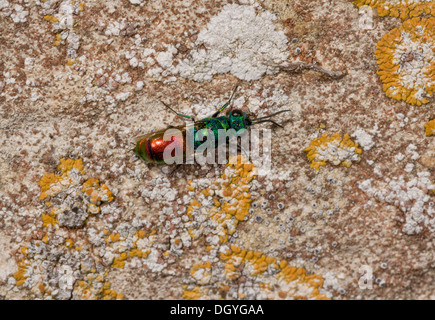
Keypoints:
pixel 406 59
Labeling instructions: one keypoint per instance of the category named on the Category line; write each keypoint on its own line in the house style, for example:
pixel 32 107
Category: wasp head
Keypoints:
pixel 239 120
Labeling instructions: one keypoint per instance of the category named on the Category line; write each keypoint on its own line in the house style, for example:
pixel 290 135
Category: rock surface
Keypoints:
pixel 346 210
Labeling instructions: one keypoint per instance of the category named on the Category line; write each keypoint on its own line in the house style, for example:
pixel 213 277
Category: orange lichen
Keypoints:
pixel 140 234
pixel 51 18
pixel 430 128
pixel 288 279
pixel 24 251
pixel 50 218
pixel 97 193
pixel 332 149
pixel 230 196
pixel 189 187
pixel 69 177
pixel 400 8
pixel 69 164
pixel 110 294
pixel 46 181
pixel 139 253
pixel 66 186
pixel 194 294
pixel 69 243
pixel 272 279
pixel 406 59
pixel 140 248
pixel 119 262
pixel 201 273
pixel 51 184
pixel 20 275
pixel 58 39
pixel 41 288
pixel 114 237
pixel 95 288
pixel 195 203
pixel 236 257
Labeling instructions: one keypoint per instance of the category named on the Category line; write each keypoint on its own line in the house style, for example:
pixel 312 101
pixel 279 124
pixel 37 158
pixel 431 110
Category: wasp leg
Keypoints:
pixel 226 104
pixel 271 121
pixel 241 150
pixel 175 169
pixel 178 114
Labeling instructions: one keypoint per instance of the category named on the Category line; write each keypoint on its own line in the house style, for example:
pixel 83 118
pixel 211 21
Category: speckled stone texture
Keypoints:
pixel 350 190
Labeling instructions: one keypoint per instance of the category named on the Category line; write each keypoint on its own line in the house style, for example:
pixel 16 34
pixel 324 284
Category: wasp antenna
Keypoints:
pixel 226 104
pixel 178 114
pixel 271 121
pixel 234 92
pixel 167 106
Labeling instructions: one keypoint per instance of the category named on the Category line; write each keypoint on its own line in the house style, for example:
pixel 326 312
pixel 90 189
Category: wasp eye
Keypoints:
pixel 236 113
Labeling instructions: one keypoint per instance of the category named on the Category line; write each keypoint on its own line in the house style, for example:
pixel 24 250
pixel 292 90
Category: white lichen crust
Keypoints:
pixel 238 40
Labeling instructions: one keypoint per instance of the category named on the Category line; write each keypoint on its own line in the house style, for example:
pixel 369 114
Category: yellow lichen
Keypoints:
pixel 69 243
pixel 69 164
pixel 273 279
pixel 139 253
pixel 231 199
pixel 141 247
pixel 400 8
pixel 70 176
pixel 202 273
pixel 51 184
pixel 119 262
pixel 58 39
pixel 140 234
pixel 25 250
pixel 289 280
pixel 406 59
pixel 97 193
pixel 50 218
pixel 45 239
pixel 194 294
pixel 95 287
pixel 51 18
pixel 67 185
pixel 332 149
pixel 114 237
pixel 20 276
pixel 430 128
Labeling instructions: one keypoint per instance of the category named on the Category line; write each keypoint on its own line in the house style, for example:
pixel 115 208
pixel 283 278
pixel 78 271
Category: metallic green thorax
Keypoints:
pixel 237 120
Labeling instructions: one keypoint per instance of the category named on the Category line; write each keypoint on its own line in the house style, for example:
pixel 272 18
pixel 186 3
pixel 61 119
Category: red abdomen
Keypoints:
pixel 152 146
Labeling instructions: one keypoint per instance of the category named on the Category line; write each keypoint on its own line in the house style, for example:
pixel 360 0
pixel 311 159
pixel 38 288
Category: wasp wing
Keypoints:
pixel 158 132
